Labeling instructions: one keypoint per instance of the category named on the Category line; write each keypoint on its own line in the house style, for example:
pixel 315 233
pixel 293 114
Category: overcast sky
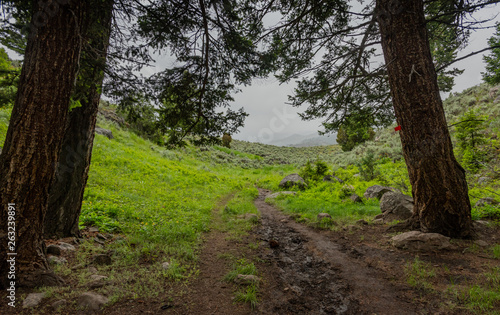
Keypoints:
pixel 271 119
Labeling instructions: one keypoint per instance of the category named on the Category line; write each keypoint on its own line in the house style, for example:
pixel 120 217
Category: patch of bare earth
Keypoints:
pixel 312 271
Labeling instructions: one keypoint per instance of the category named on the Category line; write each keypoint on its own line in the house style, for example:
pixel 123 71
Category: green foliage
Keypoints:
pixel 356 129
pixel 316 173
pixel 492 74
pixel 9 77
pixel 419 274
pixel 470 135
pixel 368 167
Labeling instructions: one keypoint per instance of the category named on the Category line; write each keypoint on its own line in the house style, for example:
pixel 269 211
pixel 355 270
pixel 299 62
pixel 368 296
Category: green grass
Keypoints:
pixel 248 295
pixel 419 274
pixel 495 250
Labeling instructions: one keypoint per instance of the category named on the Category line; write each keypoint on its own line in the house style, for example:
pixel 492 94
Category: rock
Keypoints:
pixel 59 303
pixel 246 279
pixel 165 265
pixel 376 191
pixel 98 241
pixel 481 243
pixel 416 240
pixel 93 229
pixel 293 180
pixel 332 179
pixel 322 216
pixel 33 300
pixel 105 132
pixel 102 259
pixel 91 301
pixel 92 270
pixel 361 222
pixel 279 193
pixel 66 246
pixel 483 180
pixel 486 201
pixel 53 250
pixel 379 216
pixel 274 244
pixel 356 175
pixel 97 277
pixel 101 237
pixel 396 206
pixel 378 221
pixel 56 260
pixel 356 199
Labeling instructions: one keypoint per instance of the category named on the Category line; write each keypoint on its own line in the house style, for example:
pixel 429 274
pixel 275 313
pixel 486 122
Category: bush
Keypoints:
pixel 367 167
pixel 316 173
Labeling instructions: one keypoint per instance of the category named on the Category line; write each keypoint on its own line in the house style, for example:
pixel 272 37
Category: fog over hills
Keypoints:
pixel 307 140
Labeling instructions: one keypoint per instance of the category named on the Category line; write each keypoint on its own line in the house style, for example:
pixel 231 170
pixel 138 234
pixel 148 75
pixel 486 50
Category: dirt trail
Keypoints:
pixel 315 275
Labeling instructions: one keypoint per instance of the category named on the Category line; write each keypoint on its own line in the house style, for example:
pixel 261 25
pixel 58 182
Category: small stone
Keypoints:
pixel 56 260
pixel 379 216
pixel 97 277
pixel 246 279
pixel 54 250
pixel 98 241
pixel 92 270
pixel 274 243
pixel 356 199
pixel 481 243
pixel 279 193
pixel 67 247
pixel 361 222
pixel 378 221
pixel 322 216
pixel 486 201
pixel 93 229
pixel 165 265
pixel 102 260
pixel 102 237
pixel 91 301
pixel 59 303
pixel 33 299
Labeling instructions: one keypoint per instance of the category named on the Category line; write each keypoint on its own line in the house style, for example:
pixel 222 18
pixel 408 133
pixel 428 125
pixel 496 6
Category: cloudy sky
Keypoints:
pixel 271 119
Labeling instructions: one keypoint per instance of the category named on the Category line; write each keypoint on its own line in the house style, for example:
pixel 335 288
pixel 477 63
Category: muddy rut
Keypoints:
pixel 312 274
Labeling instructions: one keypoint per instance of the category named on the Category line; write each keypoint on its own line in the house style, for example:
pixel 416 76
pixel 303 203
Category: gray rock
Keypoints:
pixel 105 132
pixel 59 303
pixel 356 199
pixel 332 179
pixel 486 201
pixel 33 300
pixel 92 270
pixel 293 180
pixel 67 247
pixel 279 193
pixel 379 216
pixel 481 243
pixel 361 222
pixel 91 301
pixel 246 279
pixel 322 216
pixel 165 265
pixel 56 260
pixel 102 237
pixel 378 221
pixel 376 191
pixel 93 229
pixel 483 180
pixel 102 259
pixel 416 240
pixel 97 277
pixel 54 250
pixel 396 206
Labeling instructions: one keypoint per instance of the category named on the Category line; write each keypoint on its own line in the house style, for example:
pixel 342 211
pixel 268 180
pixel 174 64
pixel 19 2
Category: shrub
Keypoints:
pixel 314 173
pixel 367 167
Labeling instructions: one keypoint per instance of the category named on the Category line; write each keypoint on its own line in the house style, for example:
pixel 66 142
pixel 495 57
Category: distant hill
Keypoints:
pixel 309 140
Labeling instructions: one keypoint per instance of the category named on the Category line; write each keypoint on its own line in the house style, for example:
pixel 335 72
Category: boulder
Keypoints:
pixel 356 199
pixel 105 132
pixel 416 240
pixel 66 246
pixel 33 299
pixel 279 193
pixel 485 201
pixel 376 191
pixel 322 216
pixel 293 180
pixel 396 206
pixel 91 301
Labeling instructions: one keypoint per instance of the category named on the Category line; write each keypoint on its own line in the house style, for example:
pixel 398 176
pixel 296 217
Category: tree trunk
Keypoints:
pixel 66 194
pixel 34 137
pixel 438 182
